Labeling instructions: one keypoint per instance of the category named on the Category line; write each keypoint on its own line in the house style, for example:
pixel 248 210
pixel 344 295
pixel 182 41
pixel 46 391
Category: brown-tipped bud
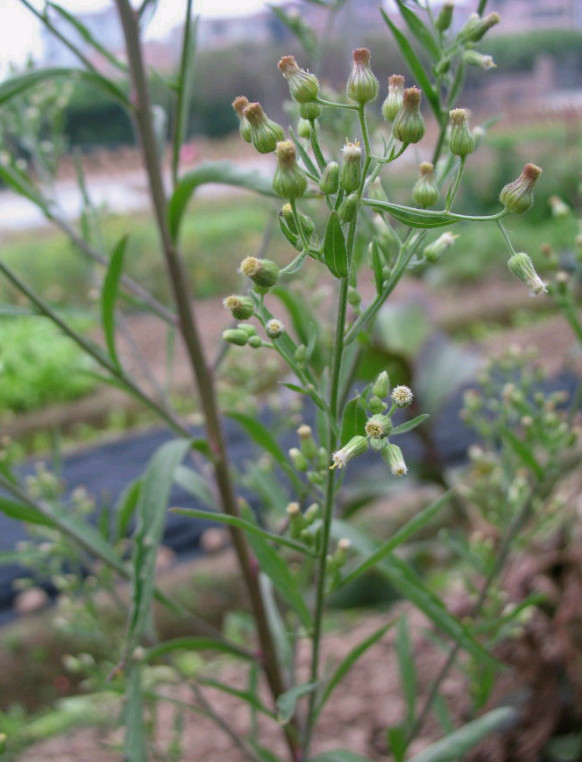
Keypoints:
pixel 239 104
pixel 476 27
pixel 443 20
pixel 425 192
pixel 408 126
pixel 351 171
pixel 263 272
pixel 329 182
pixel 518 196
pixel 288 180
pixel 311 110
pixel 362 86
pixel 265 134
pixel 393 102
pixel 522 267
pixel 241 307
pixel 559 208
pixel 461 142
pixel 474 58
pixel 303 86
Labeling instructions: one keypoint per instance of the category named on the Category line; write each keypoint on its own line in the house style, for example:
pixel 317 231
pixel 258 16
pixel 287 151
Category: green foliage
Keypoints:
pixel 38 365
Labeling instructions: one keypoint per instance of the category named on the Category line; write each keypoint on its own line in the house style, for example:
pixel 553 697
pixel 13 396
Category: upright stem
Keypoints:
pixel 179 279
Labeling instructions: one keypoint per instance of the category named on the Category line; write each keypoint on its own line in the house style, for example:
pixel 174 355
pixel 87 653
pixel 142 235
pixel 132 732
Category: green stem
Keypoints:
pixel 317 152
pixel 323 102
pixel 505 236
pixel 428 213
pixel 184 81
pixel 455 188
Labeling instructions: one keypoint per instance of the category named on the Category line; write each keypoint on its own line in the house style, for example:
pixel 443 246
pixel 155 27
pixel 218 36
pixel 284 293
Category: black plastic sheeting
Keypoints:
pixel 106 471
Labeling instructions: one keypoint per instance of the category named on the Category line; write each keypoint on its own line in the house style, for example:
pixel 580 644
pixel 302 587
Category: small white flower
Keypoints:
pixel 274 328
pixel 402 396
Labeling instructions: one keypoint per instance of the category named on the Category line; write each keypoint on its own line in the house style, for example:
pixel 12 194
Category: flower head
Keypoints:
pixel 402 396
pixel 362 85
pixel 304 87
pixel 356 446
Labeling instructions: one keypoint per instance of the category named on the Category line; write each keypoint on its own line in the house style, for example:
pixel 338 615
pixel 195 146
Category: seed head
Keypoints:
pixel 402 396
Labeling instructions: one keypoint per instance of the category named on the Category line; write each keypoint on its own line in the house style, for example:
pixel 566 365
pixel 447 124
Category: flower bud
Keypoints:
pixel 298 459
pixel 249 329
pixel 408 125
pixel 304 128
pixel 263 272
pixel 376 405
pixel 443 20
pixel 310 111
pixel 381 385
pixel 329 182
pixel 239 104
pixel 518 196
pixel 474 58
pixel 362 85
pixel 476 27
pixel 351 172
pixel 356 446
pixel 354 297
pixel 392 454
pixel 241 307
pixel 311 514
pixel 393 102
pixel 274 328
pixel 434 250
pixel 341 553
pixel 288 180
pixel 425 192
pixel 349 208
pixel 303 86
pixel 307 442
pixel 265 134
pixel 255 342
pixel 235 336
pixel 461 142
pixel 378 426
pixel 296 520
pixel 522 267
pixel 559 208
pixel 402 396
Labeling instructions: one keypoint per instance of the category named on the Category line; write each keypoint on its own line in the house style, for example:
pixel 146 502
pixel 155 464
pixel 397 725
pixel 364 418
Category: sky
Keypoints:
pixel 19 30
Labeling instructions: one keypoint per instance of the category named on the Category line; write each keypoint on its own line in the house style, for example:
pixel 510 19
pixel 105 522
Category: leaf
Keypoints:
pixel 222 172
pixel 263 437
pixel 415 524
pixel 184 86
pixel 339 755
pixel 524 452
pixel 297 27
pixel 286 702
pixel 109 297
pixel 126 507
pixel 415 66
pixel 397 742
pixel 250 698
pixel 192 643
pixel 195 484
pixel 151 511
pixel 454 746
pixel 247 526
pixel 295 388
pixel 377 266
pixel 348 662
pixel 86 35
pixel 299 311
pixel 277 569
pixel 406 667
pixel 353 421
pixel 22 512
pixel 409 425
pixel 135 744
pixel 419 30
pixel 414 218
pixel 335 254
pixel 305 158
pixel 19 84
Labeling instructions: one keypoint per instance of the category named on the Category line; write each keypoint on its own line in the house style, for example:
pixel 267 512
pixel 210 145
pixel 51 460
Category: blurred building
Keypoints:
pixel 103 25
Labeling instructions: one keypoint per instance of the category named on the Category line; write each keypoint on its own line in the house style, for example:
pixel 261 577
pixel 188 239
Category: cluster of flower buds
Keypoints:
pixel 308 457
pixel 301 523
pixel 256 127
pixel 243 334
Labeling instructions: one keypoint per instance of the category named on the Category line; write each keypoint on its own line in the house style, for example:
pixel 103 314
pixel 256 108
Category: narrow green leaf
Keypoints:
pixel 415 66
pixel 334 247
pixel 353 421
pixel 406 667
pixel 277 569
pixel 294 388
pixel 419 30
pixel 192 643
pixel 151 513
pixel 377 263
pixel 135 744
pixel 409 425
pixel 414 218
pixel 305 158
pixel 249 698
pixel 524 452
pixel 287 701
pixel 397 742
pixel 109 297
pixel 221 172
pixel 22 512
pixel 85 33
pixel 247 526
pixel 339 755
pixel 299 310
pixel 195 484
pixel 348 662
pixel 184 86
pixel 126 507
pixel 415 524
pixel 457 744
